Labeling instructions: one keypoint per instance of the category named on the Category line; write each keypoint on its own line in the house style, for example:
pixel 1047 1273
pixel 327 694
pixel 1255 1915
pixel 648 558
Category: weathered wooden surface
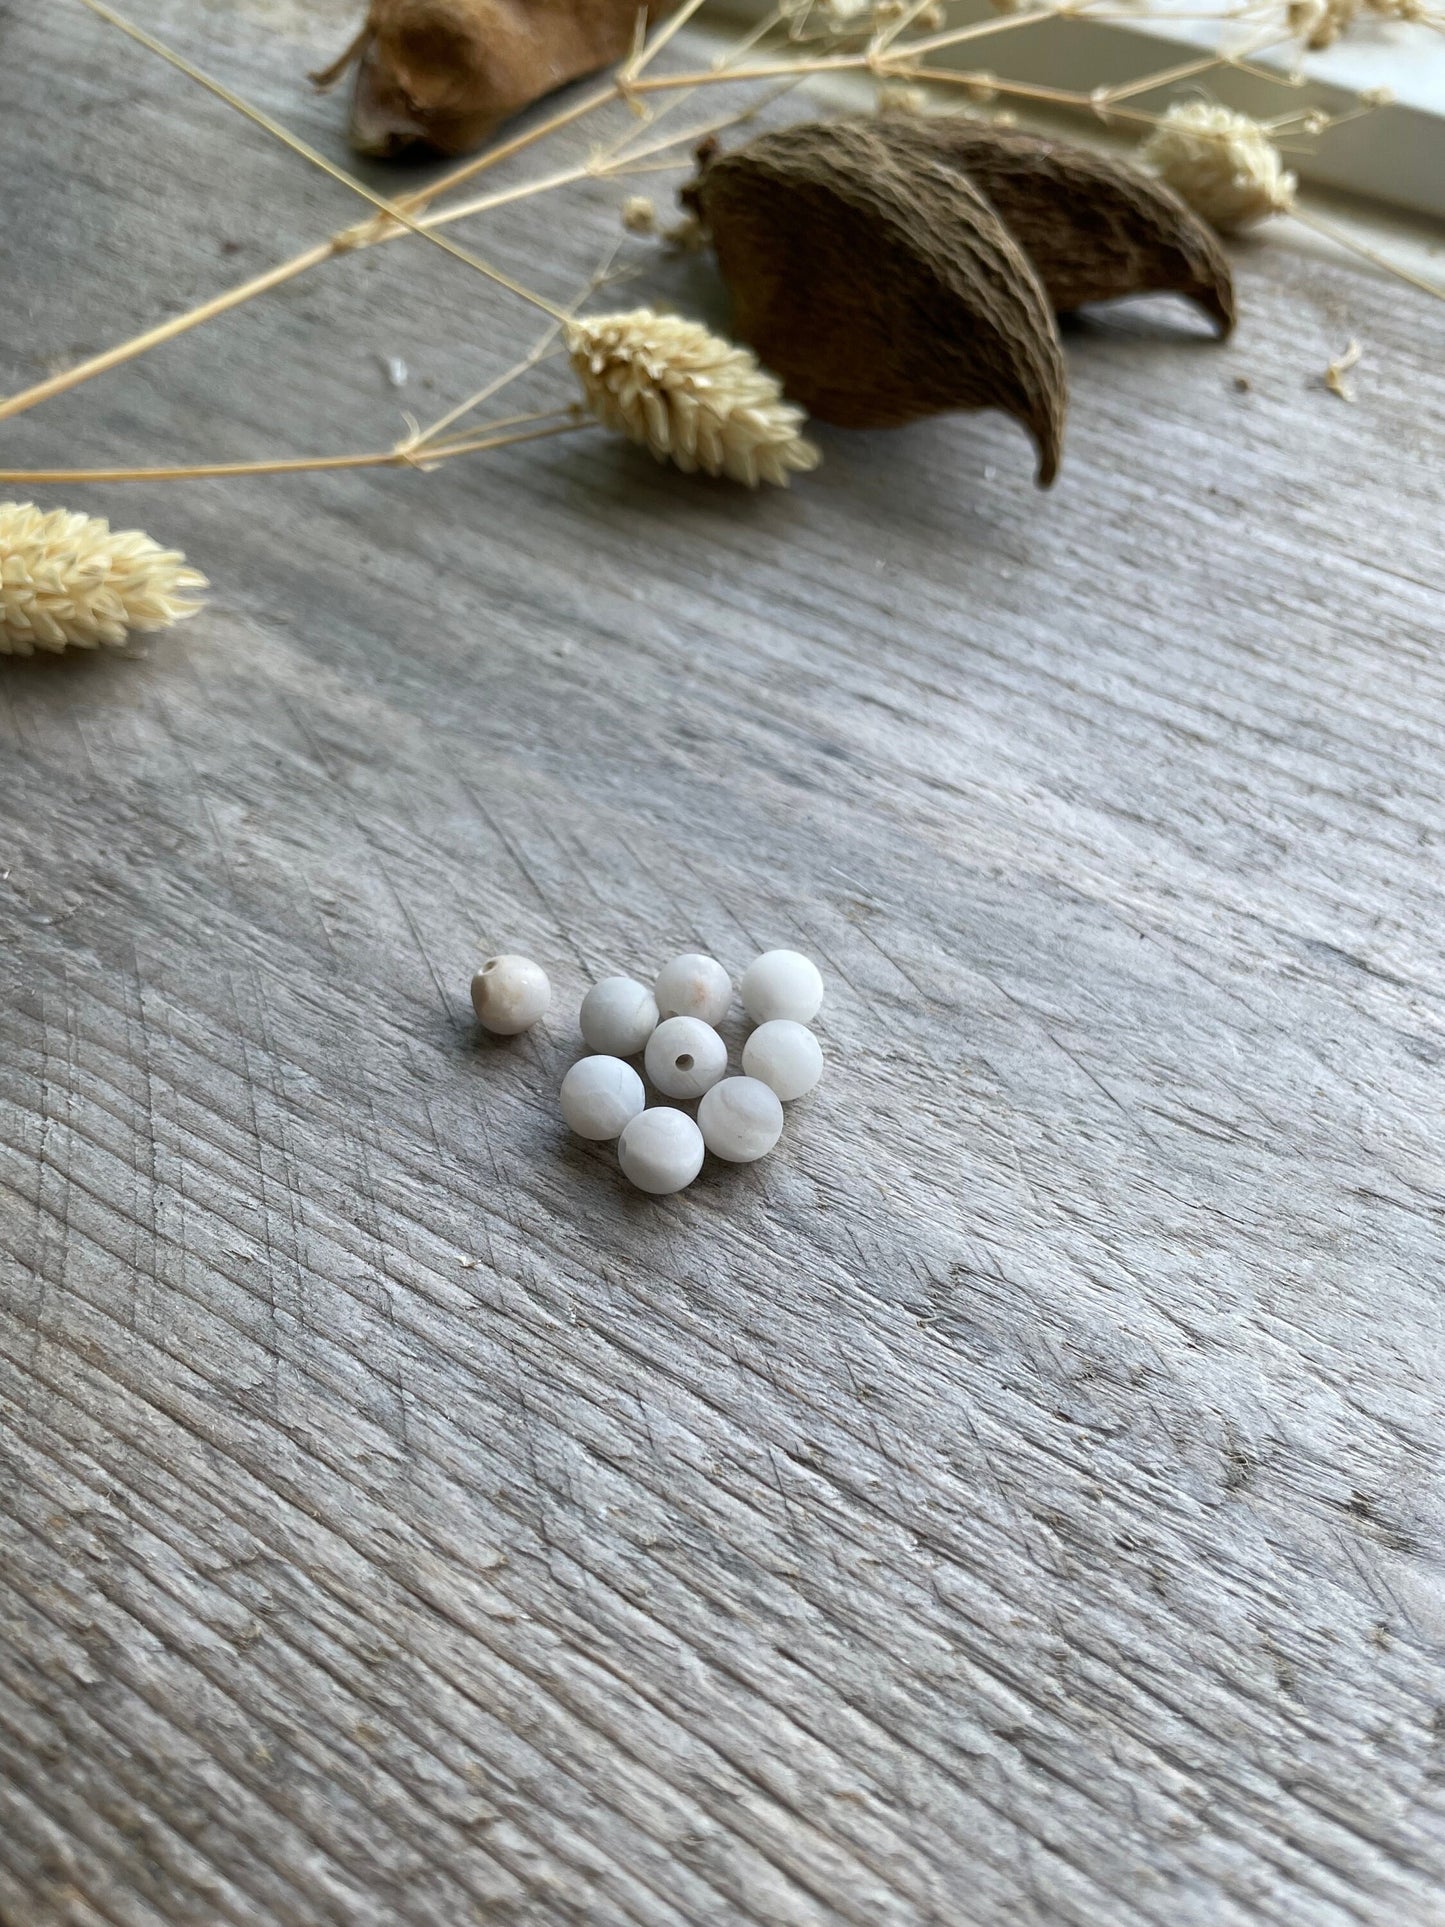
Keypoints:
pixel 1019 1499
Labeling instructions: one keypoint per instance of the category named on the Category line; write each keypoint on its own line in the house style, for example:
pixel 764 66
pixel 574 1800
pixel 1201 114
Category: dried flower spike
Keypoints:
pixel 1223 164
pixel 691 397
pixel 66 581
pixel 1093 227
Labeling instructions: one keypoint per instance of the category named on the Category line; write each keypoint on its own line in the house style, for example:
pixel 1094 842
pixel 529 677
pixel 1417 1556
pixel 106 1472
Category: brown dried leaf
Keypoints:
pixel 446 73
pixel 1094 227
pixel 878 285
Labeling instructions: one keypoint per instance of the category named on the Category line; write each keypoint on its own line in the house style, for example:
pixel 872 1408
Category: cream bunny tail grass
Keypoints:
pixel 1223 164
pixel 689 396
pixel 68 582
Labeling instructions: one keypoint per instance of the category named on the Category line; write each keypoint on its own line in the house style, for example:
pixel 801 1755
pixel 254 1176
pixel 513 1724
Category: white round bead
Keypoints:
pixel 740 1119
pixel 661 1150
pixel 618 1016
pixel 782 983
pixel 786 1056
pixel 509 994
pixel 694 986
pixel 600 1095
pixel 685 1057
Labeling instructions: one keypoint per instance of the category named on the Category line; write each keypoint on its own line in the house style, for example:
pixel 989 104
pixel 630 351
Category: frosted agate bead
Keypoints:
pixel 509 994
pixel 694 986
pixel 600 1095
pixel 660 1150
pixel 786 1056
pixel 685 1057
pixel 740 1119
pixel 618 1016
pixel 782 983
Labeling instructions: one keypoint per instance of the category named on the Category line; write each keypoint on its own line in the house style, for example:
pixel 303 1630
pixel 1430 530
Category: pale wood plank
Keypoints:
pixel 1018 1500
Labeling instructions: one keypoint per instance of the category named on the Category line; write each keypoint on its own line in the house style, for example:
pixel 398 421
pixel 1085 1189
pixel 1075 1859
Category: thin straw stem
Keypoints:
pixel 610 90
pixel 538 352
pixel 348 240
pixel 1187 70
pixel 621 163
pixel 649 50
pixel 709 77
pixel 494 156
pixel 303 464
pixel 977 30
pixel 560 419
pixel 294 465
pixel 1344 240
pixel 166 330
pixel 307 152
pixel 407 214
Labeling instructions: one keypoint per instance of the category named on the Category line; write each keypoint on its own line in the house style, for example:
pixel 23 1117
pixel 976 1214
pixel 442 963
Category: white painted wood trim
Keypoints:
pixel 1395 155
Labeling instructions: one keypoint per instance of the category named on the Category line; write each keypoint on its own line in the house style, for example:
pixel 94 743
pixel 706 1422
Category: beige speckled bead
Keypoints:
pixel 509 994
pixel 693 986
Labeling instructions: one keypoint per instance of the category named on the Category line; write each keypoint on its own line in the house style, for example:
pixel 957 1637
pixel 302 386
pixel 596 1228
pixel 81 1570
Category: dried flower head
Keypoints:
pixel 1319 23
pixel 66 581
pixel 848 16
pixel 688 395
pixel 897 97
pixel 1223 164
pixel 639 216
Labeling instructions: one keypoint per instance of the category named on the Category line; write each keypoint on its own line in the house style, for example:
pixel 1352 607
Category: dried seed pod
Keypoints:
pixel 875 288
pixel 1093 227
pixel 446 73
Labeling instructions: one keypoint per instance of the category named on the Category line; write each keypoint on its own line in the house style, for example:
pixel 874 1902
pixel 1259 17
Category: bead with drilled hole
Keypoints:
pixel 685 1057
pixel 618 1016
pixel 661 1150
pixel 600 1096
pixel 509 994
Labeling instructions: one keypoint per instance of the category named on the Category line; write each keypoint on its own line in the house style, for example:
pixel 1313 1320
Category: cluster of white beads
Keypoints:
pixel 674 1026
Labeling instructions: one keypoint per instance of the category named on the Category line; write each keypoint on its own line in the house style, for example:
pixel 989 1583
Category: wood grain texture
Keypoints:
pixel 1018 1499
